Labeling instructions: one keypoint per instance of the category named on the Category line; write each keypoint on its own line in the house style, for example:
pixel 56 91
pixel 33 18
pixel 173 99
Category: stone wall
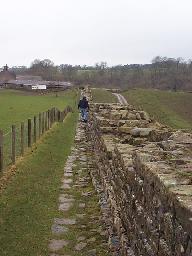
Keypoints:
pixel 146 172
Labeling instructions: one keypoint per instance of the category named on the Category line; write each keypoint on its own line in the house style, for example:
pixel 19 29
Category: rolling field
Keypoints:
pixel 170 108
pixel 18 106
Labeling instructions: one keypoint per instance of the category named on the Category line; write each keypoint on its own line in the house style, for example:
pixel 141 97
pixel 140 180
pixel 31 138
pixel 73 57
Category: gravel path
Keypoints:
pixel 121 98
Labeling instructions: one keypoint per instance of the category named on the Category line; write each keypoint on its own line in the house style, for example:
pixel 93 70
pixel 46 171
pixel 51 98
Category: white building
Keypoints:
pixel 39 87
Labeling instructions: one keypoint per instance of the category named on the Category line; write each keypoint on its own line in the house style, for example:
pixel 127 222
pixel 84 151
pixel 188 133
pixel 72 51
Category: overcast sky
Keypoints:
pixel 90 31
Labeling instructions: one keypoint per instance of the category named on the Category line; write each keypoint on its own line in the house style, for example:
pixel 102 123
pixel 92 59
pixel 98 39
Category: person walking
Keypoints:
pixel 84 107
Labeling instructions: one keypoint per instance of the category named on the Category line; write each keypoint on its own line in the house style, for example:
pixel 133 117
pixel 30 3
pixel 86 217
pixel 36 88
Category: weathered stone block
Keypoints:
pixel 131 116
pixel 142 132
pixel 144 115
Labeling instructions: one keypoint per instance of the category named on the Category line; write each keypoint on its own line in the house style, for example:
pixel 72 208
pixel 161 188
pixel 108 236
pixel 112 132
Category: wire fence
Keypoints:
pixel 14 143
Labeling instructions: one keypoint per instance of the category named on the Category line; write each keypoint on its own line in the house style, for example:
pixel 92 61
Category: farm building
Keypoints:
pixel 8 79
pixel 6 75
pixel 31 85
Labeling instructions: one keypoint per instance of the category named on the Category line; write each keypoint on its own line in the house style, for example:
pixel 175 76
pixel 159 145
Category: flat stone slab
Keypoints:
pixel 68 174
pixel 66 199
pixel 58 229
pixel 80 246
pixel 81 205
pixel 56 245
pixel 81 238
pixel 64 207
pixel 65 186
pixel 68 169
pixel 63 221
pixel 66 196
pixel 67 181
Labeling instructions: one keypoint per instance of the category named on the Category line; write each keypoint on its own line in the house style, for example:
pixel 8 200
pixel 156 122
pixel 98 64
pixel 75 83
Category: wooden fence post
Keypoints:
pixel 46 121
pixel 1 150
pixel 64 113
pixel 29 133
pixel 13 145
pixel 48 118
pixel 22 138
pixel 35 128
pixel 59 115
pixel 40 125
pixel 43 123
pixel 54 115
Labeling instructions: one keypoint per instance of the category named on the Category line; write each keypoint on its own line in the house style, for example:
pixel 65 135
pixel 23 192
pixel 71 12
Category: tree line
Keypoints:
pixel 162 73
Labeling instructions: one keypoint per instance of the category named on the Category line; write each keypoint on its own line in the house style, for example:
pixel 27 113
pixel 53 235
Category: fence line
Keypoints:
pixel 28 132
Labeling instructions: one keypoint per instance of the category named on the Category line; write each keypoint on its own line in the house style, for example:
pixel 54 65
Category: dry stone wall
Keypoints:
pixel 146 173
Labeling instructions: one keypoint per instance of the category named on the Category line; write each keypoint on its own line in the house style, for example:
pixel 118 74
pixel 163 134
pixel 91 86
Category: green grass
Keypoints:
pixel 17 106
pixel 170 108
pixel 103 96
pixel 29 203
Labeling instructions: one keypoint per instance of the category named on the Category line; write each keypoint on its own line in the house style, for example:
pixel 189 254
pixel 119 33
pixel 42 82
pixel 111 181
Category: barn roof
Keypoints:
pixel 40 82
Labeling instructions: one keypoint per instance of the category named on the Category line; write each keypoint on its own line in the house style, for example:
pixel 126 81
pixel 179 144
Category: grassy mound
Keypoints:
pixel 103 96
pixel 170 108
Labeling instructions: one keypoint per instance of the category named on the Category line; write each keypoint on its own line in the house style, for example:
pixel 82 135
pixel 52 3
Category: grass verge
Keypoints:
pixel 103 96
pixel 28 205
pixel 170 108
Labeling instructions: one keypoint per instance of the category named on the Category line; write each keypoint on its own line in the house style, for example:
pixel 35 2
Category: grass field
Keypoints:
pixel 171 108
pixel 17 106
pixel 103 96
pixel 28 204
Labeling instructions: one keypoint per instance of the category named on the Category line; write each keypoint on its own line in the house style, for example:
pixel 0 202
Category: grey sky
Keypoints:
pixel 90 31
